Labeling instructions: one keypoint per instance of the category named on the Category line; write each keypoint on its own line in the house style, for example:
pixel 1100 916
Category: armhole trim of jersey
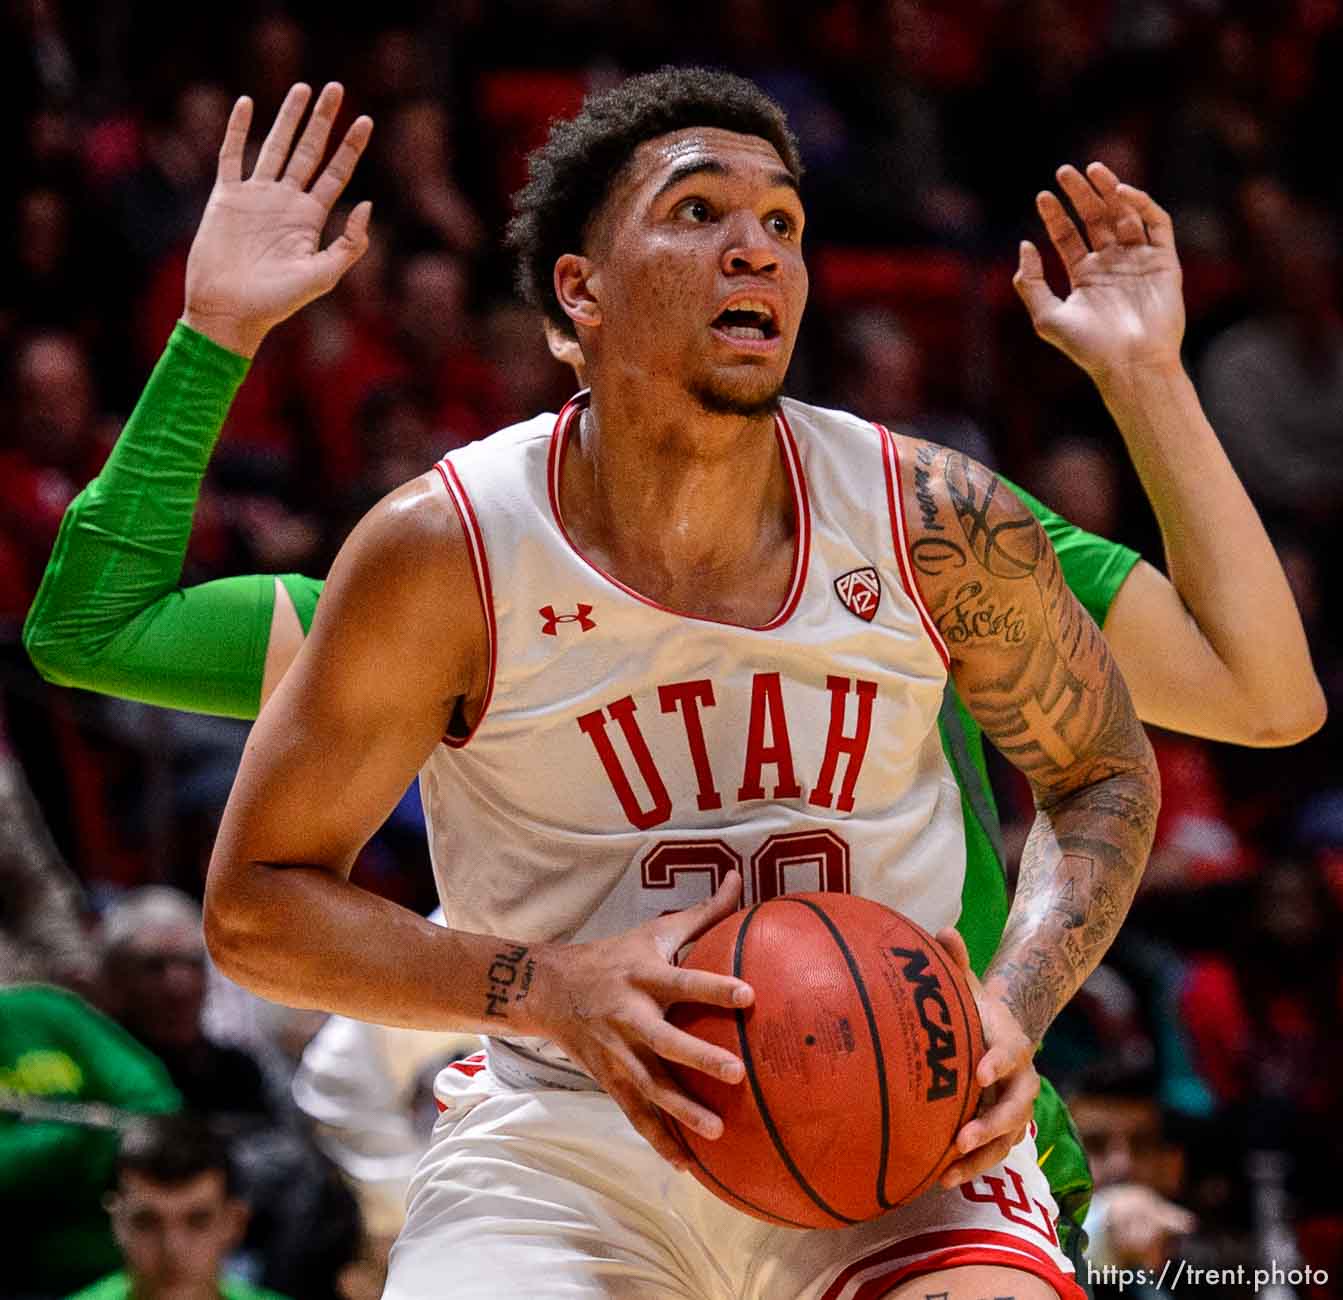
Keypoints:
pixel 900 537
pixel 480 571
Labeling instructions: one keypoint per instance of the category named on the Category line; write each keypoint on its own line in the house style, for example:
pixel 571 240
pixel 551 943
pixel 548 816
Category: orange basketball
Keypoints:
pixel 860 1051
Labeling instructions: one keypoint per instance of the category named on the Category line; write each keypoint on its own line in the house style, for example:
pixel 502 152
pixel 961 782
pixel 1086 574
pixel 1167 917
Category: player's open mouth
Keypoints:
pixel 748 320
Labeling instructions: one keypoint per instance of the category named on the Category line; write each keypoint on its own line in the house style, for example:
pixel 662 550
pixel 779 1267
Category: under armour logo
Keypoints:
pixel 859 591
pixel 553 620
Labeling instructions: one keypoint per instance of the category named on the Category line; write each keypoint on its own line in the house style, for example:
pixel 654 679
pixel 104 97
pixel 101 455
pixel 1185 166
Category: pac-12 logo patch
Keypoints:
pixel 860 592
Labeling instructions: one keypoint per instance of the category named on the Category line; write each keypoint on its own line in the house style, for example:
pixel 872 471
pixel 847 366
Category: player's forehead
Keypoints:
pixel 703 150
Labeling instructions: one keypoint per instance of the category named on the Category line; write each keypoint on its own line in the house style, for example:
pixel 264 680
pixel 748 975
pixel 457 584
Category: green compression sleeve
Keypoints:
pixel 109 615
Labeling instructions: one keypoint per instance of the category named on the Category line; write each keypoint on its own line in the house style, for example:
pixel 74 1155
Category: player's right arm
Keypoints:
pixel 398 641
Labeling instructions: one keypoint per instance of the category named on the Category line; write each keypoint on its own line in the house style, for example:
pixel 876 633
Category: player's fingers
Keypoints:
pixel 1128 225
pixel 1010 1113
pixel 275 149
pixel 1030 283
pixel 683 984
pixel 657 1087
pixel 336 174
pixel 680 928
pixel 647 1121
pixel 1063 234
pixel 312 143
pixel 964 1171
pixel 348 248
pixel 1160 228
pixel 1005 1058
pixel 950 938
pixel 235 140
pixel 673 1044
pixel 1090 206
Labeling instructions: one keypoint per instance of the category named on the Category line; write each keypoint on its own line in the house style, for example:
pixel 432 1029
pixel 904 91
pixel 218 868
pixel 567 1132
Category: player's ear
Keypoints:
pixel 576 290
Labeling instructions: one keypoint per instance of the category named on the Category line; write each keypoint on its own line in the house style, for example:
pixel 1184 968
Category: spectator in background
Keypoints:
pixel 349 351
pixel 425 204
pixel 154 981
pixel 1264 1018
pixel 883 370
pixel 42 938
pixel 60 1057
pixel 1134 1221
pixel 159 203
pixel 437 333
pixel 306 1225
pixel 1080 480
pixel 177 1215
pixel 57 440
pixel 1273 384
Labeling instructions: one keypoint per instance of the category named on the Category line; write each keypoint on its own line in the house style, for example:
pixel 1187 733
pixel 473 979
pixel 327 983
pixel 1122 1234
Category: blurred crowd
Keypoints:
pixel 1204 1057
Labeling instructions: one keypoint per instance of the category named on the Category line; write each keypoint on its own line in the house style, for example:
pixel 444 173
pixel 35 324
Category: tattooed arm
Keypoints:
pixel 1036 672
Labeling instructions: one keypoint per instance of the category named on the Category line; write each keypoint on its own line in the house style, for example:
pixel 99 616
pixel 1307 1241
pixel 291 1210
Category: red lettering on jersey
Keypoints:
pixel 594 726
pixel 766 693
pixel 688 696
pixel 837 743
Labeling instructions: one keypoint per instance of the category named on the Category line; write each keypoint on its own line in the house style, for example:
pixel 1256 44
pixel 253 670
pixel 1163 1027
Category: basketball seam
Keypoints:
pixel 748 1061
pixel 878 1050
pixel 718 1182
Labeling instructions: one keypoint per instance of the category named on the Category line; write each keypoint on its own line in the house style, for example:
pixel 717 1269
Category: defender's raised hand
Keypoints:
pixel 1124 305
pixel 256 257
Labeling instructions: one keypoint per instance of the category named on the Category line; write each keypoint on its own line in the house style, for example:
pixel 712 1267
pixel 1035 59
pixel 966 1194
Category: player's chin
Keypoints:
pixel 744 390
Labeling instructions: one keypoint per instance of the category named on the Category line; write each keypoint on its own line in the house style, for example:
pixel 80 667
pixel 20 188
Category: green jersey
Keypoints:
pixel 118 1286
pixel 55 1048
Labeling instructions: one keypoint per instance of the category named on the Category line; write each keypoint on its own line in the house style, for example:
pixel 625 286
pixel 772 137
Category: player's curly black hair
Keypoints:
pixel 570 176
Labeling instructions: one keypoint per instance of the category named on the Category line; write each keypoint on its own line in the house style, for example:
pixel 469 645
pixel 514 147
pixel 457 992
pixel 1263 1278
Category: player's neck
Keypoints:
pixel 669 494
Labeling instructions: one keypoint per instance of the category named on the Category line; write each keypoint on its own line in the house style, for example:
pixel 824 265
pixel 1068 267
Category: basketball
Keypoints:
pixel 860 1051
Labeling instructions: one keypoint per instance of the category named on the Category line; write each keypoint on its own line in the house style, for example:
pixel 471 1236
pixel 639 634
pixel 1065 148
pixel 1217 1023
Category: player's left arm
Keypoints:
pixel 1217 650
pixel 1036 672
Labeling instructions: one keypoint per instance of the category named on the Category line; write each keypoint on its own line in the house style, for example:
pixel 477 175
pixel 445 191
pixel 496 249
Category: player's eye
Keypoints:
pixel 781 224
pixel 695 210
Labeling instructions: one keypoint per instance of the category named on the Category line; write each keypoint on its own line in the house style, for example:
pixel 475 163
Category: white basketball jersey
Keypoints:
pixel 628 756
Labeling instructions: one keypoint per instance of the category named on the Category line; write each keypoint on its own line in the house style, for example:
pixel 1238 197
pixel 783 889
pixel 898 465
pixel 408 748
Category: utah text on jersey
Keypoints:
pixel 628 755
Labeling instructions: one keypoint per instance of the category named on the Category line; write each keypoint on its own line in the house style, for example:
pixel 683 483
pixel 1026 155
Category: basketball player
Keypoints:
pixel 274 638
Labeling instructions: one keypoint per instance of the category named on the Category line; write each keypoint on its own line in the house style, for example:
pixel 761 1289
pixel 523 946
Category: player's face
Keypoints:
pixel 697 268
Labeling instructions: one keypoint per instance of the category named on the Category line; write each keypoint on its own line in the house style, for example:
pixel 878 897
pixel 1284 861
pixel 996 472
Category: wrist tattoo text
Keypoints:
pixel 509 971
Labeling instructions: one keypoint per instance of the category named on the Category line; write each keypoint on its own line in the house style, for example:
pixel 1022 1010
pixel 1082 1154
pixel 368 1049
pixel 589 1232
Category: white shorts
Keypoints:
pixel 550 1194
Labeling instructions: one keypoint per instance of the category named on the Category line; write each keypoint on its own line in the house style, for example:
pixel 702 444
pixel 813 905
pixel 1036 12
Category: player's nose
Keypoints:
pixel 750 250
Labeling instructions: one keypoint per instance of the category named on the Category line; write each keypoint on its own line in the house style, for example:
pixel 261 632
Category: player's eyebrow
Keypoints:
pixel 712 167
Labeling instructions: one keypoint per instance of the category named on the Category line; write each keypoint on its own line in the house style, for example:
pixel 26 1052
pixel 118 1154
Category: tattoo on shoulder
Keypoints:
pixel 509 979
pixel 974 615
pixel 923 464
pixel 1002 534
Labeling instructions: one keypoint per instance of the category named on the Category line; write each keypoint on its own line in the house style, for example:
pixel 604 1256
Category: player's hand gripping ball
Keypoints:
pixel 860 1051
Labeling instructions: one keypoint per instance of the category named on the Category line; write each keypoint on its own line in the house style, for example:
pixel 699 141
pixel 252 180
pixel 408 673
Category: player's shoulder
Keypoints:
pixel 511 444
pixel 806 420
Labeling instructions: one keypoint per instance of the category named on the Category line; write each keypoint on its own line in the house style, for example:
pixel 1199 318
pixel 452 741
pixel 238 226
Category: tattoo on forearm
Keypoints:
pixel 509 979
pixel 1039 676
